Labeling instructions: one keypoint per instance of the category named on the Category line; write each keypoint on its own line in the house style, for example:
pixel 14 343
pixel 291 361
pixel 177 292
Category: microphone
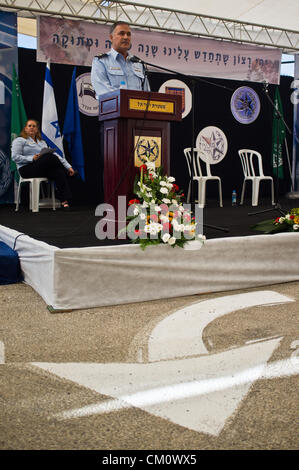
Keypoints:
pixel 135 59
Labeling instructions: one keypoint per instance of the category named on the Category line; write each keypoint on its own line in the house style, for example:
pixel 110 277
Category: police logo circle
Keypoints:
pixel 147 150
pixel 212 144
pixel 245 105
pixel 87 101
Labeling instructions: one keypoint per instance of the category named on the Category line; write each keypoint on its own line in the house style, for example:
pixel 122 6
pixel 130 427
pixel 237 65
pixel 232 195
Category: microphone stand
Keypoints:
pixel 277 206
pixel 193 80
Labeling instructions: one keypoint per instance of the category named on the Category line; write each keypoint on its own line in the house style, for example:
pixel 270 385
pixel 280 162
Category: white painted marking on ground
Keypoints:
pixel 260 339
pixel 180 334
pixel 188 392
pixel 179 391
pixel 199 393
pixel 2 353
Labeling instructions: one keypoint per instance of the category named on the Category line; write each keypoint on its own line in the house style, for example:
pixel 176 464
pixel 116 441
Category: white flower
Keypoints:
pixel 157 209
pixel 288 217
pixel 164 218
pixel 171 179
pixel 166 237
pixel 136 211
pixel 295 227
pixel 164 190
pixel 169 185
pixel 178 227
pixel 142 216
pixel 281 220
pixel 144 204
pixel 172 241
pixel 150 165
pixel 163 183
pixel 174 202
pixel 167 201
pixel 153 228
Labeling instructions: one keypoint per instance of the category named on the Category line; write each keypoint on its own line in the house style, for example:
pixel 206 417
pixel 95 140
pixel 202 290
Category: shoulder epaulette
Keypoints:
pixel 101 56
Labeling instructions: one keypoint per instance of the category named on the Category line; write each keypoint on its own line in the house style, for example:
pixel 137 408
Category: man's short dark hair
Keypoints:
pixel 117 23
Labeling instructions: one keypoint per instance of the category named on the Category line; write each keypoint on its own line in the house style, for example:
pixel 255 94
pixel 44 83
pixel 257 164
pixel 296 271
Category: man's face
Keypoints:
pixel 121 38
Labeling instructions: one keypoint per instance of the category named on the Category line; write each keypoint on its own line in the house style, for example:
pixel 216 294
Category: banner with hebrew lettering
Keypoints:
pixel 77 42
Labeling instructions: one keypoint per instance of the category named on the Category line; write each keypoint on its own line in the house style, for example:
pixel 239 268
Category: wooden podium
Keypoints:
pixel 134 124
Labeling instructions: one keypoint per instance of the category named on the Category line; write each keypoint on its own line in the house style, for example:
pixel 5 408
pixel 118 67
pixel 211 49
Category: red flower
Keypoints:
pixel 292 217
pixel 175 187
pixel 167 227
pixel 154 218
pixel 164 208
pixel 143 167
pixel 133 201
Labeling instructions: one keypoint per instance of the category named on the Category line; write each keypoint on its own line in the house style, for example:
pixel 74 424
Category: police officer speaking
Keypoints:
pixel 118 69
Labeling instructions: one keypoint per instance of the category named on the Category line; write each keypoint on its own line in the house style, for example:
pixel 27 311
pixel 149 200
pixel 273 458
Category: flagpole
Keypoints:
pixel 18 121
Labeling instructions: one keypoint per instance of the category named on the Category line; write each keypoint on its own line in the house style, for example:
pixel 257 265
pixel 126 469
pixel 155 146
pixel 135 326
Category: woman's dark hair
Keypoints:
pixel 24 134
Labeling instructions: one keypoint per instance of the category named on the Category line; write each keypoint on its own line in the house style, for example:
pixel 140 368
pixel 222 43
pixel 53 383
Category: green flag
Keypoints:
pixel 278 136
pixel 18 114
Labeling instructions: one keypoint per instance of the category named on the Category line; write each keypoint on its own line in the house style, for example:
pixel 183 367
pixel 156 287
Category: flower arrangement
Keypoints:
pixel 287 223
pixel 157 215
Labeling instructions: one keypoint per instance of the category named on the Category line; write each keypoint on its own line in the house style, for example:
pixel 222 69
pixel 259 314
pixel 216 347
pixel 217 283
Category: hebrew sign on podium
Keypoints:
pixel 136 125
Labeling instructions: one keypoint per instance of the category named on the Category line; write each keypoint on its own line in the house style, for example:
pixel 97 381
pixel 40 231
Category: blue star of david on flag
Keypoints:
pixel 56 125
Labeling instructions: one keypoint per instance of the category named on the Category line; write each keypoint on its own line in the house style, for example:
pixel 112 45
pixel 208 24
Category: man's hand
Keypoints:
pixel 71 171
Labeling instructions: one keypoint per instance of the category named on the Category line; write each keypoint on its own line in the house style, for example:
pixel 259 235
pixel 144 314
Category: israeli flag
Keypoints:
pixel 50 127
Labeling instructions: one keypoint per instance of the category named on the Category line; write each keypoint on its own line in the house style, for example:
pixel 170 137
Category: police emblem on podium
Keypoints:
pixel 147 148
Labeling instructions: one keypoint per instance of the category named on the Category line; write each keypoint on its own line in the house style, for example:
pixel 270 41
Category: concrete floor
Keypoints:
pixel 85 380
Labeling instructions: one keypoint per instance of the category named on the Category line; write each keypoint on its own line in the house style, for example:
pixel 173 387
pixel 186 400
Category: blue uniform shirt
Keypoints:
pixel 108 72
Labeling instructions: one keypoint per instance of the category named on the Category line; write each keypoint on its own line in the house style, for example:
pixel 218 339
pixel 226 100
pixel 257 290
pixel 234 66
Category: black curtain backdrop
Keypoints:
pixel 212 109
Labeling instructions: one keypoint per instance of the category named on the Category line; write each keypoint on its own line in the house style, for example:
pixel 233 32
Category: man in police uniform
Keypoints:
pixel 116 69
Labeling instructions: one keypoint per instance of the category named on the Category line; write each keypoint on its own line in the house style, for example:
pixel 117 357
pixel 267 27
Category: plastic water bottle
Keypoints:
pixel 123 84
pixel 234 198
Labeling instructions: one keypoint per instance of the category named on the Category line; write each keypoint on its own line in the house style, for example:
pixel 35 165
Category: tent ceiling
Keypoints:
pixel 262 22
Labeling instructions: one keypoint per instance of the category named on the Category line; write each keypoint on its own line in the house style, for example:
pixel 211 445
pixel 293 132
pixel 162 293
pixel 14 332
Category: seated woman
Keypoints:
pixel 25 152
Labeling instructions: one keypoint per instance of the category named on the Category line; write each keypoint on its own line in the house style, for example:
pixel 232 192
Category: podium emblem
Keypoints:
pixel 147 148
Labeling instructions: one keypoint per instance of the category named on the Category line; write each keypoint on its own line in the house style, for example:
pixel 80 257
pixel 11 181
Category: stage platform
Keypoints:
pixel 62 259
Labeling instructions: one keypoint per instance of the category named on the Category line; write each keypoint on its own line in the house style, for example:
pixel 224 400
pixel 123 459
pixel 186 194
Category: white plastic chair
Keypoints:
pixel 34 193
pixel 253 171
pixel 199 176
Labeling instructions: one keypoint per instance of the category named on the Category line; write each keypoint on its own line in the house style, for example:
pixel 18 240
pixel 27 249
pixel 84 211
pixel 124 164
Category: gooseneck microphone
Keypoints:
pixel 134 58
